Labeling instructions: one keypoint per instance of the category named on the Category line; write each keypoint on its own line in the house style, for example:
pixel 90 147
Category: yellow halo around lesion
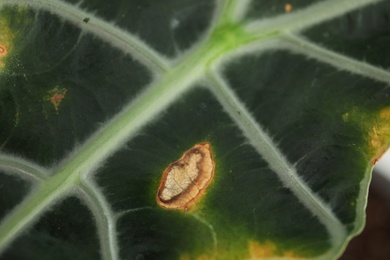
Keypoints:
pixel 269 249
pixel 12 22
pixel 5 44
pixel 7 38
pixel 379 134
pixel 376 126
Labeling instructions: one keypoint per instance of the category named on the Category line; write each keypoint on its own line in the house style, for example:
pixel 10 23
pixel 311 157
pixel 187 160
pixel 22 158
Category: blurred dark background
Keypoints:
pixel 374 242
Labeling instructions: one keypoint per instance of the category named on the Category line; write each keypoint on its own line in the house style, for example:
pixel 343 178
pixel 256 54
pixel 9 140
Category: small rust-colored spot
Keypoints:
pixel 374 161
pixel 56 95
pixel 378 156
pixel 3 50
pixel 288 7
pixel 186 180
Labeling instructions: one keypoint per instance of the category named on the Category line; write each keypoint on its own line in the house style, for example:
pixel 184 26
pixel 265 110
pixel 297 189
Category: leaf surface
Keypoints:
pixel 98 98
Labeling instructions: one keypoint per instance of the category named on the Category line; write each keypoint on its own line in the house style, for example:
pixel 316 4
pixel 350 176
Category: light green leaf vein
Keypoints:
pixel 107 31
pixel 22 167
pixel 277 162
pixel 303 46
pixel 234 10
pixel 173 82
pixel 109 139
pixel 105 220
pixel 310 16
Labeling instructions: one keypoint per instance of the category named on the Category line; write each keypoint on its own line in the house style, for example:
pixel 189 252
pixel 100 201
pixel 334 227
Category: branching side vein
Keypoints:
pixel 107 31
pixel 105 220
pixel 23 168
pixel 299 44
pixel 276 160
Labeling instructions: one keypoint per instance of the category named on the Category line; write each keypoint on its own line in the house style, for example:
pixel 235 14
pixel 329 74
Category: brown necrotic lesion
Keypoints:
pixel 185 180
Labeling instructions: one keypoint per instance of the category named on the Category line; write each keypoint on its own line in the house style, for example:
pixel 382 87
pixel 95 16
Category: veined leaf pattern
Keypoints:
pixel 98 98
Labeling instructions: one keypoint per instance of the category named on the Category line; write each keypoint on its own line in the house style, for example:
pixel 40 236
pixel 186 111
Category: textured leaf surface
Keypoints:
pixel 98 98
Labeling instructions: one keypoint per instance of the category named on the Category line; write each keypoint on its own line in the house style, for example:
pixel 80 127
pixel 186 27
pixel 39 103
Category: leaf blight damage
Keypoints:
pixel 268 247
pixel 376 125
pixel 13 24
pixel 185 180
pixel 6 39
pixel 379 134
pixel 55 96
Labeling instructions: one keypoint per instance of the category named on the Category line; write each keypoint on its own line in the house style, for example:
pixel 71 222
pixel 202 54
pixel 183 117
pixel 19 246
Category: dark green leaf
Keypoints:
pixel 98 98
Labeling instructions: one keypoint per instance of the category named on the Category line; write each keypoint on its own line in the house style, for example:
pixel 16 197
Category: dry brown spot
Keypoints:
pixel 288 7
pixel 185 180
pixel 374 161
pixel 378 156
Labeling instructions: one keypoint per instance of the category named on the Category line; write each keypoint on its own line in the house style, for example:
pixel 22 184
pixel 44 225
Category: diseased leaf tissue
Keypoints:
pixel 185 181
pixel 291 96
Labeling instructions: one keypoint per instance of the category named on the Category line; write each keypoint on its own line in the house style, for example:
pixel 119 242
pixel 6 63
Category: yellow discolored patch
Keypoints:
pixel 385 113
pixel 185 180
pixel 288 7
pixel 268 250
pixel 376 125
pixel 55 96
pixel 6 40
pixel 379 134
pixel 8 20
